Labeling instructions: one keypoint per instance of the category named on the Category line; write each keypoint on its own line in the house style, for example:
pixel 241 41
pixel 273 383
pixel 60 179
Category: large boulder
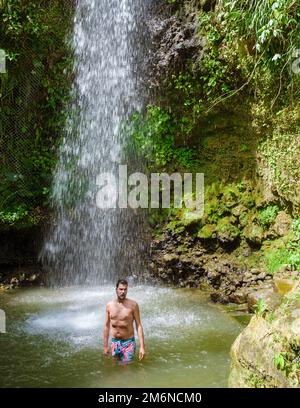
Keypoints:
pixel 266 353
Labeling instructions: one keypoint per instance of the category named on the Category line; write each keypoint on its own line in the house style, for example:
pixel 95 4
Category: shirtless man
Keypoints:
pixel 120 314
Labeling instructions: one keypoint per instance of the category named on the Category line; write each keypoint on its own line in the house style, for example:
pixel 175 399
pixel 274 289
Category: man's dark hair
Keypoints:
pixel 122 281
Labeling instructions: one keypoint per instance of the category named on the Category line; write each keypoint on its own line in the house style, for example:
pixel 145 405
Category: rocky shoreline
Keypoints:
pixel 184 261
pixel 20 277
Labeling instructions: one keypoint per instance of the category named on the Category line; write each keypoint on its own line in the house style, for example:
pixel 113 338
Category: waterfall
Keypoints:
pixel 86 244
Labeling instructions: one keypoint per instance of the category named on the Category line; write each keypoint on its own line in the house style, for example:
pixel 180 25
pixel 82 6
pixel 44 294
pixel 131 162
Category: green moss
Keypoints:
pixel 255 381
pixel 175 226
pixel 231 195
pixel 207 231
pixel 227 232
pixel 268 215
pixel 254 233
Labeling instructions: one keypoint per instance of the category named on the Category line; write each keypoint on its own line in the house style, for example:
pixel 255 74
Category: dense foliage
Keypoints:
pixel 33 91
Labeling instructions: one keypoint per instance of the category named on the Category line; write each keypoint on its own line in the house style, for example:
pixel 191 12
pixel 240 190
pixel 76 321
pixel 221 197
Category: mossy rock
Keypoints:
pixel 266 353
pixel 226 231
pixel 191 219
pixel 254 233
pixel 231 196
pixel 239 211
pixel 247 199
pixel 175 226
pixel 213 190
pixel 214 210
pixel 207 231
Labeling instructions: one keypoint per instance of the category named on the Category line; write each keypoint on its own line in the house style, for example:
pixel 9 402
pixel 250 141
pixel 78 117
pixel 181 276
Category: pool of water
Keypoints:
pixel 54 339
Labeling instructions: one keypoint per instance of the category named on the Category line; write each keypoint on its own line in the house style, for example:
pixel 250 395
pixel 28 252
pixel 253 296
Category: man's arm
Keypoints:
pixel 106 331
pixel 140 331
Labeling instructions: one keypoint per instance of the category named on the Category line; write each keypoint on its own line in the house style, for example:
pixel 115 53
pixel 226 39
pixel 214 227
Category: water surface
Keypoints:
pixel 54 339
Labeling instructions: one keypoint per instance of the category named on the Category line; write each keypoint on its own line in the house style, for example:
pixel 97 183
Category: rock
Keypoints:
pixel 254 233
pixel 170 258
pixel 261 276
pixel 218 297
pixel 284 286
pixel 185 259
pixel 226 231
pixel 282 224
pixel 14 281
pixel 191 219
pixel 213 275
pixel 231 196
pixel 255 271
pixel 265 342
pixel 270 298
pixel 239 296
pixel 239 210
pixel 207 231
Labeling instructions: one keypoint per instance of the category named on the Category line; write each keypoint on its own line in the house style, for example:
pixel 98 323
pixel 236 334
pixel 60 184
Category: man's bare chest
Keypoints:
pixel 121 313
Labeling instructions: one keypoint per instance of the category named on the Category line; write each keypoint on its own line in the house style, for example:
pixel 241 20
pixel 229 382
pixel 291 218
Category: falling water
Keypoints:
pixel 88 245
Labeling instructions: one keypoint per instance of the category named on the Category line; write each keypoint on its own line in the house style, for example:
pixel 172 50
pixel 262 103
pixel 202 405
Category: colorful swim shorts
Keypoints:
pixel 123 350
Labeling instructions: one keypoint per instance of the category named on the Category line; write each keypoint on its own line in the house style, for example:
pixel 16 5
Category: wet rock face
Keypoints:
pixel 185 261
pixel 175 40
pixel 266 354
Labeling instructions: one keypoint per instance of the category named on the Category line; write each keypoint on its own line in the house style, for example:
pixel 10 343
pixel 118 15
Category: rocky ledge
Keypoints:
pixel 267 352
pixel 180 260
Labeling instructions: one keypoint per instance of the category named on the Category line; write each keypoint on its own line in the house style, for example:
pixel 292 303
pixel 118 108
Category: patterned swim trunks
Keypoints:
pixel 123 350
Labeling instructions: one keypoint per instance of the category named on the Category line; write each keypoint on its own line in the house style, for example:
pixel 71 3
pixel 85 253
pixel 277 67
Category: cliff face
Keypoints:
pixel 267 352
pixel 229 107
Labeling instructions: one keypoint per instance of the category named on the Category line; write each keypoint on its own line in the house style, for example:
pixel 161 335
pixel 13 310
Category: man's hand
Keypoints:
pixel 106 351
pixel 141 353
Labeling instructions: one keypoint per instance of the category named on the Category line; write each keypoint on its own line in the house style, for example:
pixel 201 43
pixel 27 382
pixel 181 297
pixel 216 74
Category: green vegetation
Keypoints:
pixel 33 94
pixel 230 113
pixel 260 308
pixel 267 215
pixel 285 252
pixel 257 39
pixel 154 139
pixel 256 381
pixel 279 361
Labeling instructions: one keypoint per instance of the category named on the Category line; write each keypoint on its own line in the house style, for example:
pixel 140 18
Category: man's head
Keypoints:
pixel 121 289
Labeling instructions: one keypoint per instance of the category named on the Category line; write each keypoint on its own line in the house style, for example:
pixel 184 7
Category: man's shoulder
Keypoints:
pixel 132 303
pixel 109 304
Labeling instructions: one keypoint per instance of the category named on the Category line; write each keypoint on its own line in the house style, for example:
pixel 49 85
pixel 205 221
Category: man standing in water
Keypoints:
pixel 120 314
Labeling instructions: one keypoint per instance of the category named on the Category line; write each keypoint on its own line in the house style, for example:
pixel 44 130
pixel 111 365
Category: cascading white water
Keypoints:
pixel 87 244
